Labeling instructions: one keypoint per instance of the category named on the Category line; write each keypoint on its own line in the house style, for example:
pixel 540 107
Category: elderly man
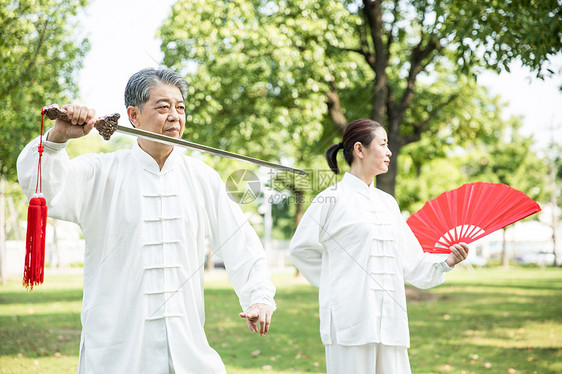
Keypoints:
pixel 145 214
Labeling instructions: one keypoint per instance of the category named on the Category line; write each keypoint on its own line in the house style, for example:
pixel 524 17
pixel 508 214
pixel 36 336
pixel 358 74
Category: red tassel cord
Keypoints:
pixel 34 263
pixel 35 242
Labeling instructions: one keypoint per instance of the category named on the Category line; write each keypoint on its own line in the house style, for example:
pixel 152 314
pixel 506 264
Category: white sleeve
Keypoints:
pixel 63 180
pixel 234 240
pixel 306 247
pixel 422 270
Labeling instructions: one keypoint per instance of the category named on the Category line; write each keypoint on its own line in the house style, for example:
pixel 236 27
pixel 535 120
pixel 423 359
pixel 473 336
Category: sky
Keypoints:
pixel 123 42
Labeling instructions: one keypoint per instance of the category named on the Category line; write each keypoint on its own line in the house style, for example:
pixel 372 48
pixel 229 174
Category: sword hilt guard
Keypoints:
pixel 106 125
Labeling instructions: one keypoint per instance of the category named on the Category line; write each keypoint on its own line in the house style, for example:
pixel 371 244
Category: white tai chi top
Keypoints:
pixel 354 244
pixel 145 231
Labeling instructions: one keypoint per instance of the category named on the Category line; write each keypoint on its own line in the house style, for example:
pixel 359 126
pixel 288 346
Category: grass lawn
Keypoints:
pixel 487 321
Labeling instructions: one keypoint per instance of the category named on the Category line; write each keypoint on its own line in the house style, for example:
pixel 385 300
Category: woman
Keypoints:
pixel 354 245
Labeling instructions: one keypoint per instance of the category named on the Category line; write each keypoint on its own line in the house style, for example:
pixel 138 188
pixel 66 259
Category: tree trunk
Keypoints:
pixel 555 264
pixel 13 213
pixel 552 177
pixel 387 181
pixel 298 215
pixel 2 230
pixel 373 13
pixel 334 109
pixel 55 257
pixel 505 258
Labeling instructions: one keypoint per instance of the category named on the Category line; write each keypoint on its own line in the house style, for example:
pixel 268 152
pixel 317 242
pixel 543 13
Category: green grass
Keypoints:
pixel 40 330
pixel 489 321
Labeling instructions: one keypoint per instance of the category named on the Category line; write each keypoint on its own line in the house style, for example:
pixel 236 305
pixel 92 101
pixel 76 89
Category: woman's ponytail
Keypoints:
pixel 332 157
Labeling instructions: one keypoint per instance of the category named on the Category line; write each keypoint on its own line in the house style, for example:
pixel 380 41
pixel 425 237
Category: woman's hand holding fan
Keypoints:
pixel 459 252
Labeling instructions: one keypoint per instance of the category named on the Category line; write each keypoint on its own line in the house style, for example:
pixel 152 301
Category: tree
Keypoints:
pixel 40 56
pixel 302 69
pixel 554 156
pixel 509 159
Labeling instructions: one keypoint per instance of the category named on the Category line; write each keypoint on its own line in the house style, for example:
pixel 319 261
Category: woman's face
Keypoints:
pixel 377 155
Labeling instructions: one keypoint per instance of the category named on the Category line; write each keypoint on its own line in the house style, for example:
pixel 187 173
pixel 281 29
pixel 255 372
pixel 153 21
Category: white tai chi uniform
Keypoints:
pixel 145 230
pixel 354 244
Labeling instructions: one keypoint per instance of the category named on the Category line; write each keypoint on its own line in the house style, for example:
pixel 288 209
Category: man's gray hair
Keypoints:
pixel 138 87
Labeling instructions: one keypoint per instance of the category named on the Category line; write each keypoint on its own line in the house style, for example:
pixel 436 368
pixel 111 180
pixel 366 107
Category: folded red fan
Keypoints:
pixel 467 213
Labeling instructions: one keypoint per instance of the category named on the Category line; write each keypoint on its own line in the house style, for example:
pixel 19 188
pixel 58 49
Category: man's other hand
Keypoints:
pixel 258 315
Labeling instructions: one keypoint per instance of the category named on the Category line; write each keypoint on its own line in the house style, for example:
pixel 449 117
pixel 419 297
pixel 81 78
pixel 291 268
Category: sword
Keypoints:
pixel 107 126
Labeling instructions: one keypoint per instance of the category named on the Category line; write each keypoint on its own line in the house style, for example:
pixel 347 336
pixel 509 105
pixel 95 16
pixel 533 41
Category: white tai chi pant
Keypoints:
pixel 372 358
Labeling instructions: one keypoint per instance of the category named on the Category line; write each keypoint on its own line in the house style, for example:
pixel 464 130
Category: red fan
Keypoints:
pixel 467 213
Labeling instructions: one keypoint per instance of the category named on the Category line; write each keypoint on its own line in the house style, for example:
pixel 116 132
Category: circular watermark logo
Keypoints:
pixel 243 186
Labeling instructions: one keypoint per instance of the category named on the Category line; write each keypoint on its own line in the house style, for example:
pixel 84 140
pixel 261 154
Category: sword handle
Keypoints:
pixel 105 125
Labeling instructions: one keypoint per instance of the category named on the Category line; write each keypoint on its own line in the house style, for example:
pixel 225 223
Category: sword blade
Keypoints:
pixel 204 148
pixel 107 125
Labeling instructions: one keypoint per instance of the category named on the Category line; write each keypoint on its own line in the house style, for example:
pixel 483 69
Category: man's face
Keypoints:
pixel 164 112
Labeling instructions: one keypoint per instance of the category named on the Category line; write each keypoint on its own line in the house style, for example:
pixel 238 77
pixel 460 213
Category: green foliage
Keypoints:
pixel 509 160
pixel 93 143
pixel 264 74
pixel 492 150
pixel 16 212
pixel 493 33
pixel 435 177
pixel 41 53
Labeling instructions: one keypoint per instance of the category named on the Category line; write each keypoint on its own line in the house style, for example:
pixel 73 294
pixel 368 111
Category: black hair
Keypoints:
pixel 361 130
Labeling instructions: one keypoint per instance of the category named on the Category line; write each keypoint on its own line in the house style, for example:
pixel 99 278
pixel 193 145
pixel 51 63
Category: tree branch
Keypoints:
pixel 392 125
pixel 39 45
pixel 417 65
pixel 334 107
pixel 364 43
pixel 424 126
pixel 369 58
pixel 390 38
pixel 391 111
pixel 373 14
pixel 33 59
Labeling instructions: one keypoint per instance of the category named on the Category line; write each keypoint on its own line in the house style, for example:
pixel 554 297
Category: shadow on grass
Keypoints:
pixel 483 312
pixel 475 358
pixel 40 323
pixel 38 335
pixel 545 285
pixel 40 297
pixel 513 278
